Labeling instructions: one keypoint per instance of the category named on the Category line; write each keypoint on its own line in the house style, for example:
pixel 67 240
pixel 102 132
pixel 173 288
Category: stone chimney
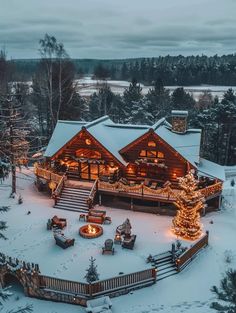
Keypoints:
pixel 179 121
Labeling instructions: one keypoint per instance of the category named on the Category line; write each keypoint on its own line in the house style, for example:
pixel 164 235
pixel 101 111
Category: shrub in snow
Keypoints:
pixel 228 256
pixel 232 183
pixel 92 274
pixel 226 293
pixel 20 199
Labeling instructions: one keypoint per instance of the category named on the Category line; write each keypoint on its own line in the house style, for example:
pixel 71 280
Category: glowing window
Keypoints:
pixel 151 144
pixel 142 153
pixel 151 154
pixel 88 142
pixel 160 155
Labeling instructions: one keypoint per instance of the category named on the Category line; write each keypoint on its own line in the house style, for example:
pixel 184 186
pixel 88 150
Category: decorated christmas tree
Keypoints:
pixel 189 202
pixel 92 274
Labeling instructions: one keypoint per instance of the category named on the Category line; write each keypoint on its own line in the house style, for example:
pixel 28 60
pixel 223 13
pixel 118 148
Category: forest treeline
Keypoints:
pixel 54 94
pixel 173 70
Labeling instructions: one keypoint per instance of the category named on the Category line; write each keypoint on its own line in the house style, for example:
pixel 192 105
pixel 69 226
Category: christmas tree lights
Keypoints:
pixel 189 202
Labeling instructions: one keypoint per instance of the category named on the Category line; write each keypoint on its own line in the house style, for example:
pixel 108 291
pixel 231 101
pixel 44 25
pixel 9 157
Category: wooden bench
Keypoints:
pixel 96 216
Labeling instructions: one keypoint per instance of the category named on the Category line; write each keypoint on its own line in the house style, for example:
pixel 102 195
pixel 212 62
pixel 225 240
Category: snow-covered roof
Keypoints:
pixel 114 136
pixel 187 144
pixel 63 132
pixel 211 169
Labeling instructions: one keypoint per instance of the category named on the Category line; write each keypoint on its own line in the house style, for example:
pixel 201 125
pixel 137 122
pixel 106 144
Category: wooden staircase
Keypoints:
pixel 165 265
pixel 73 199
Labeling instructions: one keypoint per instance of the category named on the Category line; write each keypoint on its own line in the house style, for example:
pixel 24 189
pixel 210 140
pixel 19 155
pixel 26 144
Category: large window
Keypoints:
pixel 88 153
pixel 151 154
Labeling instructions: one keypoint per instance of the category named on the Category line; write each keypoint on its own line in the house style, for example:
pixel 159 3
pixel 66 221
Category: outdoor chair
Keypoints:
pixel 108 247
pixel 128 243
pixel 59 222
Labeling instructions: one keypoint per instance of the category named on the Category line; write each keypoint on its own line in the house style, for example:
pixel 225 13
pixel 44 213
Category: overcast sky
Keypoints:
pixel 119 28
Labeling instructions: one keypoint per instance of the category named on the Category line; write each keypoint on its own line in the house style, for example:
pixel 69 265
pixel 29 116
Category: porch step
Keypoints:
pixel 73 199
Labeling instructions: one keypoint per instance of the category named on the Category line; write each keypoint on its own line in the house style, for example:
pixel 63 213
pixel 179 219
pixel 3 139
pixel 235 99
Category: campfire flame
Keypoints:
pixel 91 229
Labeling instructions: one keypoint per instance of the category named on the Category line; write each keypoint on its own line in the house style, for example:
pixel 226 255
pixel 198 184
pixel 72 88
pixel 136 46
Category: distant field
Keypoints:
pixel 88 86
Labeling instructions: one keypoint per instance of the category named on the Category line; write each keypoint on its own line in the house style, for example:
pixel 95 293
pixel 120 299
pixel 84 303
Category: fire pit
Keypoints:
pixel 90 231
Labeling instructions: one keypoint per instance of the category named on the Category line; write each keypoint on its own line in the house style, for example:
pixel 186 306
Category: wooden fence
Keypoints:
pixel 112 286
pixel 184 259
pixel 64 286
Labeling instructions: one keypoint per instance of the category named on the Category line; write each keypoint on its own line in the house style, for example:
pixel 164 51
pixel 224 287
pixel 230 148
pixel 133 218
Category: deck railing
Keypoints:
pixel 122 283
pixel 92 194
pixel 183 260
pixel 166 193
pixel 56 193
pixel 47 174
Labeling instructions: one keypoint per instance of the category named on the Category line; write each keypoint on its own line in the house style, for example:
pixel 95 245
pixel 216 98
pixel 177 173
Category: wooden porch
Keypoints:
pixel 119 188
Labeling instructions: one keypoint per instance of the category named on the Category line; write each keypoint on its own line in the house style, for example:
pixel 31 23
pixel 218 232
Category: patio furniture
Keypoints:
pixel 125 228
pixel 128 242
pixel 59 222
pixel 107 220
pixel 99 305
pixel 82 217
pixel 63 241
pixel 96 216
pixel 117 239
pixel 49 224
pixel 108 247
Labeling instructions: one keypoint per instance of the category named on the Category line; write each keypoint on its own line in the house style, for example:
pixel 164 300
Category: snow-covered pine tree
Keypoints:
pixel 139 113
pixel 92 274
pixel 226 293
pixel 2 223
pixel 189 202
pixel 13 144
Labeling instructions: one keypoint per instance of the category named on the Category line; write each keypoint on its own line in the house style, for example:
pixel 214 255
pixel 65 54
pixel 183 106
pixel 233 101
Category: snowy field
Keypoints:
pixel 87 86
pixel 188 291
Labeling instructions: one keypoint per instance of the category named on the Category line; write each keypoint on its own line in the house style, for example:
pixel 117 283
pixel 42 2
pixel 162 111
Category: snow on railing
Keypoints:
pixel 166 193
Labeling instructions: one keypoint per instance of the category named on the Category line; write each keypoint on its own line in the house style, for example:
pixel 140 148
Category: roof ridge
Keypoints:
pixel 158 123
pixel 97 121
pixel 71 122
pixel 127 126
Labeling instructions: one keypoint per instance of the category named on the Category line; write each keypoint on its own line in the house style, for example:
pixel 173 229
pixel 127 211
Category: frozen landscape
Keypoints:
pixel 87 86
pixel 188 291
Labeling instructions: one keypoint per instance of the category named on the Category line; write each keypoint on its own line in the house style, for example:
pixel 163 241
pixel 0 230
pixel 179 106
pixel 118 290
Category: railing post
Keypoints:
pixel 90 290
pixel 142 188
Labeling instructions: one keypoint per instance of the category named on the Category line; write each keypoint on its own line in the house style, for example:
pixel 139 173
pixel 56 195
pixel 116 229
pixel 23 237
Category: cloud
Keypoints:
pixel 115 29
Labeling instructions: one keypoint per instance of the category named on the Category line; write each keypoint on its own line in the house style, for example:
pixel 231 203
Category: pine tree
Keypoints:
pixel 226 293
pixel 3 225
pixel 189 202
pixel 13 144
pixel 92 274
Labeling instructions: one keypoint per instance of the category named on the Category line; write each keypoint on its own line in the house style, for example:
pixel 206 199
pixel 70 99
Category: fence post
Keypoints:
pixel 154 274
pixel 90 290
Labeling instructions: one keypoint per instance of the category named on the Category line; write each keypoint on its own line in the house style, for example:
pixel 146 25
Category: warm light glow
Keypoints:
pixel 91 229
pixel 189 202
pixel 88 142
pixel 151 144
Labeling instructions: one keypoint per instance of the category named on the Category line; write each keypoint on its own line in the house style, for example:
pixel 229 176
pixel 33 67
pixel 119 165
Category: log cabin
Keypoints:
pixel 126 166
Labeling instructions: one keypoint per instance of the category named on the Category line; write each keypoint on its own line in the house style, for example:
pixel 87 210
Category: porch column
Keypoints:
pixel 100 199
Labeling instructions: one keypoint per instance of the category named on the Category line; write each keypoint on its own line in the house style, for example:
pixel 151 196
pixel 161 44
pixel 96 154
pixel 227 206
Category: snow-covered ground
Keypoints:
pixel 87 86
pixel 188 291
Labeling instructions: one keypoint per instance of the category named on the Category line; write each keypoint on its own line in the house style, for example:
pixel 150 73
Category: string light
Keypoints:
pixel 189 202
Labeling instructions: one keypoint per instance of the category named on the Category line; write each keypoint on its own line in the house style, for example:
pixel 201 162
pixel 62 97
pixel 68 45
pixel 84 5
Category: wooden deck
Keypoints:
pixel 136 191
